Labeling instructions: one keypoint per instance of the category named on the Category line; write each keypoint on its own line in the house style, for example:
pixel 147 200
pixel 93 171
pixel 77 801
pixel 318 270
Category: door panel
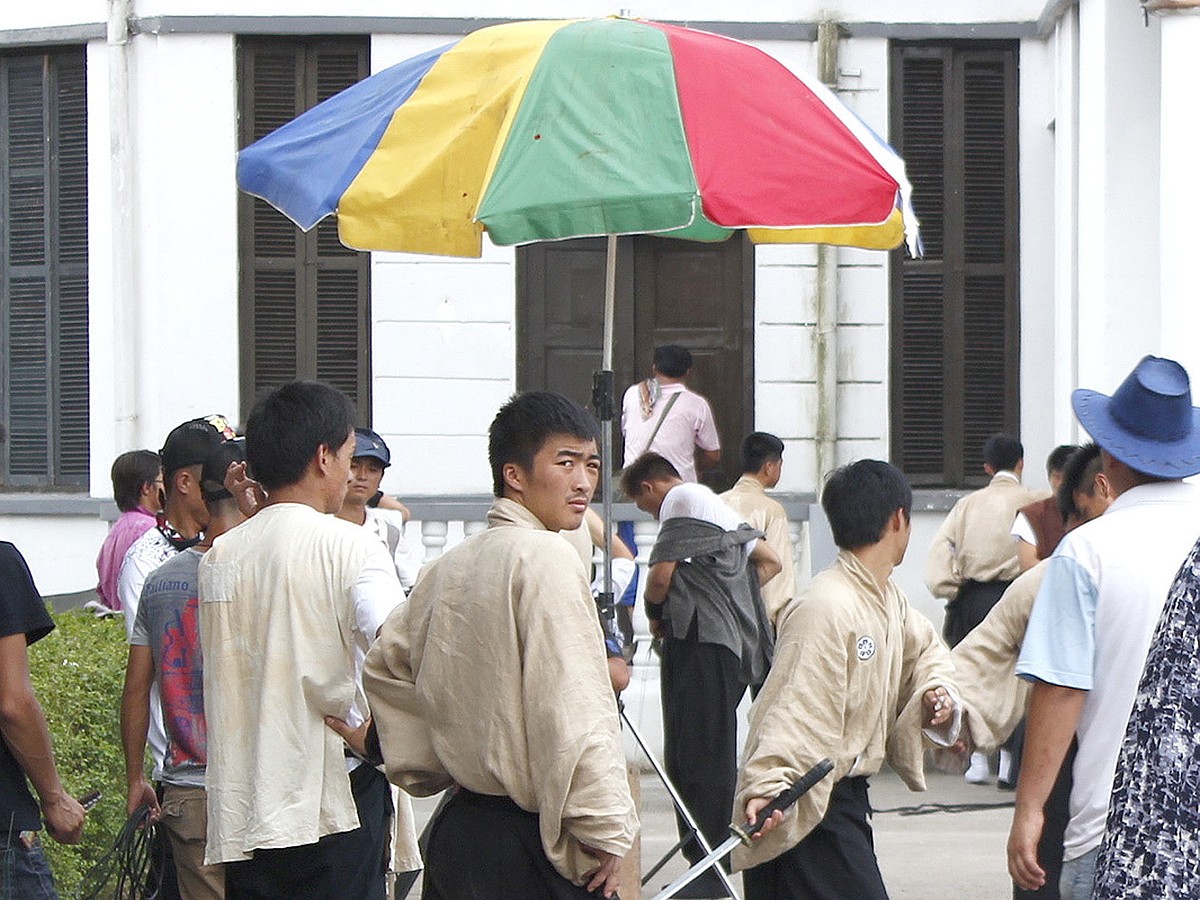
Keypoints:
pixel 668 292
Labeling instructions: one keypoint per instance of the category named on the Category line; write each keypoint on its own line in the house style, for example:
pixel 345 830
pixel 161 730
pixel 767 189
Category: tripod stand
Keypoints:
pixel 690 823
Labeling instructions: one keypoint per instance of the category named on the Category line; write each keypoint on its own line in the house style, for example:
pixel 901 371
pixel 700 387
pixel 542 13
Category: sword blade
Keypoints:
pixel 698 869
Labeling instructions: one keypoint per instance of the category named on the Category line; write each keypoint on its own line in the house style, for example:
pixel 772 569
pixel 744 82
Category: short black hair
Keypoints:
pixel 672 360
pixel 758 449
pixel 1079 474
pixel 289 425
pixel 647 467
pixel 1002 452
pixel 1057 460
pixel 524 423
pixel 860 498
pixel 130 471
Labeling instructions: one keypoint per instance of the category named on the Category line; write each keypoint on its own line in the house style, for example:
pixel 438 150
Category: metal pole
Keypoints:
pixel 684 812
pixel 606 412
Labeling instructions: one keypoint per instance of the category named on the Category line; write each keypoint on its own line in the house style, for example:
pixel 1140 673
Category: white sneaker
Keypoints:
pixel 978 772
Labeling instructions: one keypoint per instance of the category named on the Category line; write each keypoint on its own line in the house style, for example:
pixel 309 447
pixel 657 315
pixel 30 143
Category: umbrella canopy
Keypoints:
pixel 556 129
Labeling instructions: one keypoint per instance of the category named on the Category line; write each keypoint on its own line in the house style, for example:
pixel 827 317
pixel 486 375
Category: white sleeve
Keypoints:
pixel 376 592
pixel 130 582
pixel 1022 530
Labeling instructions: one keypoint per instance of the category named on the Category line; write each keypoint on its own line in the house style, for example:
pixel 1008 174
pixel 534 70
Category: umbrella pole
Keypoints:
pixel 603 401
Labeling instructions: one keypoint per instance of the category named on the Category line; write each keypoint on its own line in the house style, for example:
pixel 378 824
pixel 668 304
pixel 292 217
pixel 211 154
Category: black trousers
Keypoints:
pixel 835 861
pixel 974 601
pixel 351 865
pixel 1050 848
pixel 700 696
pixel 488 848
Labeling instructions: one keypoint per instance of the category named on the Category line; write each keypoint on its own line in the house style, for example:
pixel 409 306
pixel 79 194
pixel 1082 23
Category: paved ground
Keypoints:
pixel 940 854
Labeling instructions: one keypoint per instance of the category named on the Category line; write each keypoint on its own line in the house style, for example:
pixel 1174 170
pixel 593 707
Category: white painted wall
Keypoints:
pixel 1118 256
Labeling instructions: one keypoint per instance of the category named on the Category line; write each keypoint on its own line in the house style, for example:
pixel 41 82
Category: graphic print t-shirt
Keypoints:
pixel 168 623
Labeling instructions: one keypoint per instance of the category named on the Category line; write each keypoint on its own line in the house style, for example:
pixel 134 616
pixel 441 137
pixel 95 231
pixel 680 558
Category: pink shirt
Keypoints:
pixel 688 425
pixel 128 528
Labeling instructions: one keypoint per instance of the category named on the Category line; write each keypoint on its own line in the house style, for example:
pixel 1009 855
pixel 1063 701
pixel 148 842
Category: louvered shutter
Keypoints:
pixel 43 270
pixel 304 297
pixel 955 327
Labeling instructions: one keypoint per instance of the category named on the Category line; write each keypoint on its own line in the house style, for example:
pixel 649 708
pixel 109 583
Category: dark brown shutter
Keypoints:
pixel 304 297
pixel 43 270
pixel 955 325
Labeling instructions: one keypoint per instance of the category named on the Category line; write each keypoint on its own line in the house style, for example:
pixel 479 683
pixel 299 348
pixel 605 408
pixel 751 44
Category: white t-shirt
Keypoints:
pixel 696 501
pixel 388 524
pixel 1022 530
pixel 1092 624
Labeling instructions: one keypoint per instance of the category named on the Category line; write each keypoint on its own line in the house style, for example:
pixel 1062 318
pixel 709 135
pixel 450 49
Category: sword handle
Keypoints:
pixel 784 801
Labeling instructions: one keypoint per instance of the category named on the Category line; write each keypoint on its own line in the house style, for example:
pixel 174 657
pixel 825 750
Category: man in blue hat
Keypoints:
pixel 366 505
pixel 1094 617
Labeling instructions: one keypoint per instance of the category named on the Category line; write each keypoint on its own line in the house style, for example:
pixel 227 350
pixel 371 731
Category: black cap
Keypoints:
pixel 212 476
pixel 368 443
pixel 190 443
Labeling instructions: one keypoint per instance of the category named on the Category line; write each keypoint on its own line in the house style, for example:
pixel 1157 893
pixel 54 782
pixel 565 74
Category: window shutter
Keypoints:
pixel 955 325
pixel 43 270
pixel 304 297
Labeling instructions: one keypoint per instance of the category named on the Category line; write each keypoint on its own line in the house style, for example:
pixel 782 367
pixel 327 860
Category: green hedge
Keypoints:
pixel 78 671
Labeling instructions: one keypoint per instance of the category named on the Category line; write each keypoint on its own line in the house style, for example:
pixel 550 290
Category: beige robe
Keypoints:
pixel 749 499
pixel 975 542
pixel 851 665
pixel 985 664
pixel 493 676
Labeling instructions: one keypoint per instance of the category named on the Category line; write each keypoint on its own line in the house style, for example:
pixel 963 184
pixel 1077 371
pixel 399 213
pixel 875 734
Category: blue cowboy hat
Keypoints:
pixel 1149 422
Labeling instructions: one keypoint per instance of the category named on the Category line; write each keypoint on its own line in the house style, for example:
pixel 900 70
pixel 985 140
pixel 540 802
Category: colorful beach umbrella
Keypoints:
pixel 547 130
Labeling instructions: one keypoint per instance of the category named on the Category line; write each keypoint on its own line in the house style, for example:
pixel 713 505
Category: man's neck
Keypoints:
pixel 763 480
pixel 354 513
pixel 306 492
pixel 664 380
pixel 178 518
pixel 878 560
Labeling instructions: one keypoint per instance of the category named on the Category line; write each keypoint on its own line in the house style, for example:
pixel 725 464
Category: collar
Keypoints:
pixel 750 483
pixel 505 512
pixel 1155 492
pixel 1006 475
pixel 861 576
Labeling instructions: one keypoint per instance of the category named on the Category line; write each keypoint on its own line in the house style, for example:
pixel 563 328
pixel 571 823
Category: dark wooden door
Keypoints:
pixel 700 296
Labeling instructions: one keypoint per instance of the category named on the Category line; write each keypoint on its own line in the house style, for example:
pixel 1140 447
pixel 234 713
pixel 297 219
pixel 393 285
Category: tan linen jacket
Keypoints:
pixel 749 499
pixel 493 676
pixel 852 662
pixel 975 541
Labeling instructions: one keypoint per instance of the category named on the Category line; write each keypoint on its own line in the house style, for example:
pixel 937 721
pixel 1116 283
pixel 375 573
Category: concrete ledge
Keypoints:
pixel 474 507
pixel 936 499
pixel 55 35
pixel 58 505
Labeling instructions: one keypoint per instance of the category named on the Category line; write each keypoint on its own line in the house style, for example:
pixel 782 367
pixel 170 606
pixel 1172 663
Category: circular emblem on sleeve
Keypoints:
pixel 866 647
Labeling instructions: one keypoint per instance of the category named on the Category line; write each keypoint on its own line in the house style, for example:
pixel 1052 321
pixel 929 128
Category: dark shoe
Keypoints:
pixel 1003 785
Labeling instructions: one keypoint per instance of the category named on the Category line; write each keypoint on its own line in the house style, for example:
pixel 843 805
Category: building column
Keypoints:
pixel 1179 198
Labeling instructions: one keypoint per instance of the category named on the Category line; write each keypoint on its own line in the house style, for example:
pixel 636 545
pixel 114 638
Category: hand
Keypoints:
pixel 248 492
pixel 754 807
pixel 657 628
pixel 938 707
pixel 141 793
pixel 606 877
pixel 355 738
pixel 1022 849
pixel 618 673
pixel 64 818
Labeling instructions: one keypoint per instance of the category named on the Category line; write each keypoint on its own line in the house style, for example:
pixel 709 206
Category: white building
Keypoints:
pixel 1048 141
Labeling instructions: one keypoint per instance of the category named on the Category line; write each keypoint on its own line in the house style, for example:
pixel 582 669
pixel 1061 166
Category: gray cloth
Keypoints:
pixel 715 587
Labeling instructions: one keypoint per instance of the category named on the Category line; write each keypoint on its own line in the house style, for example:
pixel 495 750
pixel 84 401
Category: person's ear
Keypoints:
pixel 513 476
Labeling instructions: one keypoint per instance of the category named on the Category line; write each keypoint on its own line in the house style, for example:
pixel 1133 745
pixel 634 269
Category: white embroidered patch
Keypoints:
pixel 866 648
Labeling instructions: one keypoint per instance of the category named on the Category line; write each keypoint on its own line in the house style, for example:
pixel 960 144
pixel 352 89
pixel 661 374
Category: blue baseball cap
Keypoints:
pixel 368 443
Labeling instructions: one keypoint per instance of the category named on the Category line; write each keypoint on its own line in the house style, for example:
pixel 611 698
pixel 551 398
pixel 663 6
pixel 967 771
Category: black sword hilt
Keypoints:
pixel 784 801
